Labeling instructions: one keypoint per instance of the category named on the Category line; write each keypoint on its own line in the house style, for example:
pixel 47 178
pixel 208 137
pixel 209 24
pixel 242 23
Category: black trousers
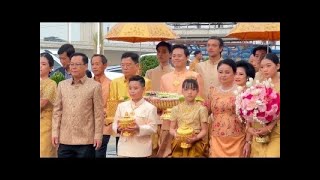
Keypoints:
pixel 101 153
pixel 76 151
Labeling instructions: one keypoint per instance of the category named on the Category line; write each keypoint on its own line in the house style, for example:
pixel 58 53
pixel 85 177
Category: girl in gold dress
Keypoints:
pixel 47 95
pixel 269 67
pixel 193 115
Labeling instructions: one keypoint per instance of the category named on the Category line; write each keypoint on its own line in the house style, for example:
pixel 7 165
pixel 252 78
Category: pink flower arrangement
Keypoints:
pixel 259 102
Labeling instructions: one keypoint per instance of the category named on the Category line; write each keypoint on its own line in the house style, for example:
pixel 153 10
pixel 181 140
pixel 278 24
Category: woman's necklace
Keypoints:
pixel 226 90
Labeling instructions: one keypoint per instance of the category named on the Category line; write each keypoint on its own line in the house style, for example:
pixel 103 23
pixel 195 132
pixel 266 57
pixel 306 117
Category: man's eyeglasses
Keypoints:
pixel 76 64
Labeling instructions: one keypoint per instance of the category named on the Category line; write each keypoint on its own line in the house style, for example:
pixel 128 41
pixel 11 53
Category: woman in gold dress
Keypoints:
pixel 47 95
pixel 269 67
pixel 227 136
pixel 193 115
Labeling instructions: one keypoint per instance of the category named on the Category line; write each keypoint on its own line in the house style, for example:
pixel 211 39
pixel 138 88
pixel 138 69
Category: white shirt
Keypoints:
pixel 145 115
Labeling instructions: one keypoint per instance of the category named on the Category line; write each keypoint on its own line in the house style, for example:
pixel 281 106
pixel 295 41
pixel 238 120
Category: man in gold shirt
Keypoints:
pixel 163 55
pixel 99 64
pixel 119 87
pixel 208 69
pixel 78 113
pixel 196 60
pixel 164 50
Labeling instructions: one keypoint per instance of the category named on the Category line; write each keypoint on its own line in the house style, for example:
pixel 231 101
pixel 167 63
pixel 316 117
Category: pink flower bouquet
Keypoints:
pixel 259 102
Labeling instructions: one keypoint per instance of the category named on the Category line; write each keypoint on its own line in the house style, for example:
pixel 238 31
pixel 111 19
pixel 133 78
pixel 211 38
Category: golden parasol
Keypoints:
pixel 141 32
pixel 256 31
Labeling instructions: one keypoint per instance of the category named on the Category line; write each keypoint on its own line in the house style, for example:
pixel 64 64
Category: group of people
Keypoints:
pixel 79 116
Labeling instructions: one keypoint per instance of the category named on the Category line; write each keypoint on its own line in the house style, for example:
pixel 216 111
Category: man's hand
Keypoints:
pixel 55 141
pixel 97 143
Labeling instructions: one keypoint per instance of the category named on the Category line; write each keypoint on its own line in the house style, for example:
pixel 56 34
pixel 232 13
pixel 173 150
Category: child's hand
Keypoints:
pixel 133 128
pixel 119 129
pixel 191 140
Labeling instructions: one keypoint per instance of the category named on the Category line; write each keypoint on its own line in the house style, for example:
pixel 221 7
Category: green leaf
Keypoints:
pixel 148 62
pixel 57 77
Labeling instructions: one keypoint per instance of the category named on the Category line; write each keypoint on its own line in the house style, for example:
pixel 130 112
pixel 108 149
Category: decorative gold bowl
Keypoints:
pixel 163 100
pixel 262 139
pixel 184 132
pixel 163 103
pixel 126 122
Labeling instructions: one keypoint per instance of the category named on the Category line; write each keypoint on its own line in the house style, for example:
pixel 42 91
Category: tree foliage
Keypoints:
pixel 148 62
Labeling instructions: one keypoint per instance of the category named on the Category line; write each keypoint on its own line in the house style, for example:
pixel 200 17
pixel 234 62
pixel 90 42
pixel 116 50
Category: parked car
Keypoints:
pixel 111 72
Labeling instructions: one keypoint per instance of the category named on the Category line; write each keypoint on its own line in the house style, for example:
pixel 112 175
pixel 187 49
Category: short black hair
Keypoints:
pixel 261 47
pixel 197 52
pixel 248 68
pixel 165 44
pixel 67 48
pixel 273 57
pixel 132 55
pixel 84 57
pixel 190 83
pixel 104 60
pixel 49 57
pixel 230 63
pixel 181 46
pixel 138 78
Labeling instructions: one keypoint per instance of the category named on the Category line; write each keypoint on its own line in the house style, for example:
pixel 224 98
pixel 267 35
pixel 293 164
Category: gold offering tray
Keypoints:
pixel 163 100
pixel 262 139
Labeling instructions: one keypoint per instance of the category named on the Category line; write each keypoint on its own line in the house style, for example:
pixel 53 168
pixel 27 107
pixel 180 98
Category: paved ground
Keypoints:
pixel 111 150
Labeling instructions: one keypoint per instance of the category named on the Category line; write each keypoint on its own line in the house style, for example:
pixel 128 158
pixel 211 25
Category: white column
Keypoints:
pixel 69 33
pixel 98 39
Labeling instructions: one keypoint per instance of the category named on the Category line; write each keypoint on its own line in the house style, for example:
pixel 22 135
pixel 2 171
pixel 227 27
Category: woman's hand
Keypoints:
pixel 246 149
pixel 263 131
pixel 253 131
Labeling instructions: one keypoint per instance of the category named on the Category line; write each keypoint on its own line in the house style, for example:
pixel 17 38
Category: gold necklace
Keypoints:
pixel 133 108
pixel 177 80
